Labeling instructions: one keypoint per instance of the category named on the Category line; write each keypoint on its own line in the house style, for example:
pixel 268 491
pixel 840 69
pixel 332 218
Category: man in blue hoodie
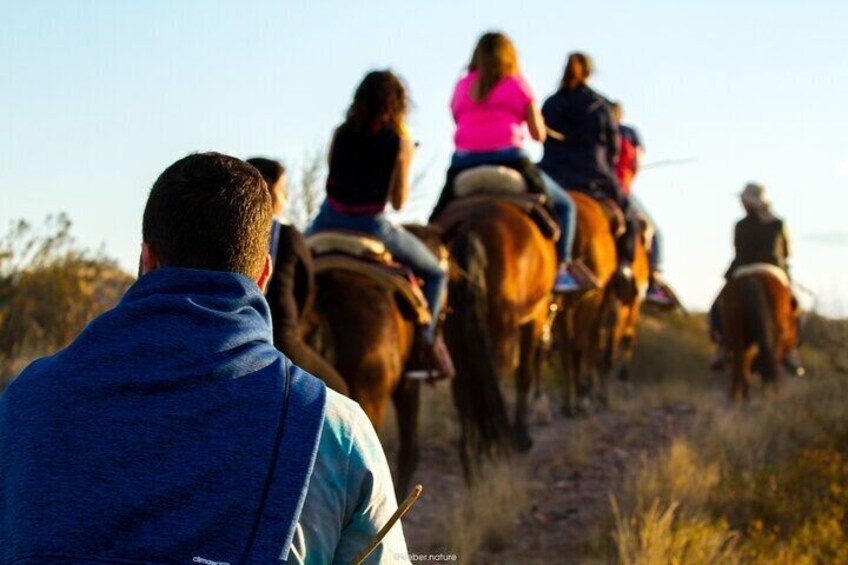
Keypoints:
pixel 171 430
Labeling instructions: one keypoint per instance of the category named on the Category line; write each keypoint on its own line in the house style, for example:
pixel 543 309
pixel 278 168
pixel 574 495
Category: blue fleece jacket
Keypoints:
pixel 170 431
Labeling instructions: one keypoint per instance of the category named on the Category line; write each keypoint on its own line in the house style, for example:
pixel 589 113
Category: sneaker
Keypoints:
pixel 792 363
pixel 657 295
pixel 565 281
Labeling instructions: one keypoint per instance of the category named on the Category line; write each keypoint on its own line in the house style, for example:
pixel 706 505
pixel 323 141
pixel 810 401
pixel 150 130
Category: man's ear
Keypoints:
pixel 265 276
pixel 149 259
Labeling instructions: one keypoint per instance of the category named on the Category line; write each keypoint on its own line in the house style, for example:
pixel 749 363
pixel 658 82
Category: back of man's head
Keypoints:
pixel 209 211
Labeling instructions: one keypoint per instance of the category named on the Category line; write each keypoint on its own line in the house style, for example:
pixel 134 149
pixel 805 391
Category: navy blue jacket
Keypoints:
pixel 585 159
pixel 170 431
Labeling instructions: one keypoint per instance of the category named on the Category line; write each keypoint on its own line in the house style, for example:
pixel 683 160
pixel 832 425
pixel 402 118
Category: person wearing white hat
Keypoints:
pixel 759 237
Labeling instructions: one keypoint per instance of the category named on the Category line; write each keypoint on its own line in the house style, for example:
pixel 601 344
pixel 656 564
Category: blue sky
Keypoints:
pixel 97 97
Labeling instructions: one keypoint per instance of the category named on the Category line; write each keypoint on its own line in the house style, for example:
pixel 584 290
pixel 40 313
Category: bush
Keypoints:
pixel 49 289
pixel 762 483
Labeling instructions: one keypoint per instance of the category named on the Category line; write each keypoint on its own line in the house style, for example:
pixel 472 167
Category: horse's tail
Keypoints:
pixel 758 319
pixel 485 427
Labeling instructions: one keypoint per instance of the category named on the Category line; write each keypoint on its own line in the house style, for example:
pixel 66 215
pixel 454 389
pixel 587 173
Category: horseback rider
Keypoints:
pixel 582 145
pixel 491 105
pixel 369 162
pixel 631 151
pixel 291 289
pixel 759 237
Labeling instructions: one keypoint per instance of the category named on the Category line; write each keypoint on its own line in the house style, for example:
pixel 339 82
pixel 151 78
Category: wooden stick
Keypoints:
pixel 399 513
pixel 555 134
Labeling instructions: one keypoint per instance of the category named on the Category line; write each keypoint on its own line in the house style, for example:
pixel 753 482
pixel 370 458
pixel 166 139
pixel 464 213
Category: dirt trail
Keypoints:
pixel 570 473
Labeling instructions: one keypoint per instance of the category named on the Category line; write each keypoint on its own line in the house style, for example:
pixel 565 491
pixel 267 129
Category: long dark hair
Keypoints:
pixel 571 78
pixel 380 101
pixel 494 58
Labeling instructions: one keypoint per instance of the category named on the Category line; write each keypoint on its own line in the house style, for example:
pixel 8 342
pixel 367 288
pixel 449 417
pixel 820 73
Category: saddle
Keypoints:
pixel 354 252
pixel 494 183
pixel 761 269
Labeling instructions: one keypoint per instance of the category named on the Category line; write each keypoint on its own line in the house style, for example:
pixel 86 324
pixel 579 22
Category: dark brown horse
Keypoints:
pixel 500 289
pixel 369 336
pixel 758 322
pixel 585 321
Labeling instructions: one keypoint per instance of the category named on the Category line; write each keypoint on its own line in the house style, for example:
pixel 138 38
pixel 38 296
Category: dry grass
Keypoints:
pixel 762 483
pixel 658 536
pixel 485 516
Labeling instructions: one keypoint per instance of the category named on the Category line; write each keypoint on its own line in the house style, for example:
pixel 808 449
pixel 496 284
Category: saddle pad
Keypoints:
pixel 349 243
pixel 390 276
pixel 762 269
pixel 489 179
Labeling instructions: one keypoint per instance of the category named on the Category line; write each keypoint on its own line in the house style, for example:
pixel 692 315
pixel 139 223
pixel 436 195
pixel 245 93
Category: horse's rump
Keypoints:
pixel 756 308
pixel 758 327
pixel 501 278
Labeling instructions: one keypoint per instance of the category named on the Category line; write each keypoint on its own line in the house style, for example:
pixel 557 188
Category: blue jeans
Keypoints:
pixel 655 256
pixel 404 247
pixel 566 213
pixel 468 159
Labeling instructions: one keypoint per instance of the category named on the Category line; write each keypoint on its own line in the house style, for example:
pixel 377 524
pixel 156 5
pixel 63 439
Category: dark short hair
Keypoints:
pixel 270 169
pixel 209 211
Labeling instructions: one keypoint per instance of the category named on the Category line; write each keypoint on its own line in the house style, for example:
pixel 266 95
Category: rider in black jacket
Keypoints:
pixel 582 145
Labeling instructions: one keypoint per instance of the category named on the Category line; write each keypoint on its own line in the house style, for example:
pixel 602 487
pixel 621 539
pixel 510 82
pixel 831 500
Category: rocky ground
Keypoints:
pixel 552 505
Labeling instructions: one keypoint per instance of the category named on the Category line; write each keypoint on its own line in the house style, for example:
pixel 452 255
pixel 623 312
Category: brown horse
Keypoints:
pixel 624 302
pixel 584 322
pixel 759 327
pixel 500 287
pixel 369 336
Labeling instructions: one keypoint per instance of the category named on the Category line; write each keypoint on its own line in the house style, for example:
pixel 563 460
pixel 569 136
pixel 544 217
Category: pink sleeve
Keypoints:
pixel 523 92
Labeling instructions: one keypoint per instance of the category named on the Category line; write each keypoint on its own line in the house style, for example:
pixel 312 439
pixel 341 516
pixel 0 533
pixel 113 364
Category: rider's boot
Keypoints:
pixel 442 358
pixel 433 363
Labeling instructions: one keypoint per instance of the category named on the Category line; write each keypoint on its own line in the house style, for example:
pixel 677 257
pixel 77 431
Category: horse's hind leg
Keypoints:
pixel 742 362
pixel 528 362
pixel 407 399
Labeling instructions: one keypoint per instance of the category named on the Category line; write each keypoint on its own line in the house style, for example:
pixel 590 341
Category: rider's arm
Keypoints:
pixel 371 500
pixel 613 138
pixel 535 122
pixel 399 191
pixel 350 496
pixel 785 233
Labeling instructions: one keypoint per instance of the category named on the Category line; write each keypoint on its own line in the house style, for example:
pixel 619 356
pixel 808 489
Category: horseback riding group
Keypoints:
pixel 517 255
